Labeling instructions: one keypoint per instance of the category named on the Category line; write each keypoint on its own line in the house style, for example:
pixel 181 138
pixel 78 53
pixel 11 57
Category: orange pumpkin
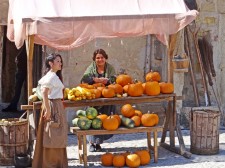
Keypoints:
pixel 137 120
pixel 110 123
pixel 133 160
pixel 138 113
pixel 101 88
pixel 119 160
pixel 127 110
pixel 144 156
pixel 102 117
pixel 108 92
pixel 143 85
pixel 123 79
pixel 117 87
pixel 152 76
pixel 166 87
pixel 149 120
pixel 107 159
pixel 152 88
pixel 125 88
pixel 96 92
pixel 135 89
pixel 118 118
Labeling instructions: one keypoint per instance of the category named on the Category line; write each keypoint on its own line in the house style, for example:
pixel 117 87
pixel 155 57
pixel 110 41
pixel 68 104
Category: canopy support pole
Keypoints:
pixel 30 51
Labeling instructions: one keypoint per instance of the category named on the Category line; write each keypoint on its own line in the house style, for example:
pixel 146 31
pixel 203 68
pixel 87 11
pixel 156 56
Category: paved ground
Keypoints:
pixel 167 159
pixel 132 142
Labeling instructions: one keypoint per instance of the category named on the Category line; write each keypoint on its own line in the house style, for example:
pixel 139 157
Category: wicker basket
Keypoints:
pixel 13 139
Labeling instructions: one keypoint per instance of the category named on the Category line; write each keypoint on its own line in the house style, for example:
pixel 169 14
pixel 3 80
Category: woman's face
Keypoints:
pixel 56 65
pixel 100 60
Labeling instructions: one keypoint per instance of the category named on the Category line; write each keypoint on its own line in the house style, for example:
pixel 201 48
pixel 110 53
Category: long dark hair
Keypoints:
pixel 51 58
pixel 99 51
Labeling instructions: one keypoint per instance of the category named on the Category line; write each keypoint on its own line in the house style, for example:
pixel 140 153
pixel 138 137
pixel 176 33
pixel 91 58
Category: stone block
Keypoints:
pixel 221 6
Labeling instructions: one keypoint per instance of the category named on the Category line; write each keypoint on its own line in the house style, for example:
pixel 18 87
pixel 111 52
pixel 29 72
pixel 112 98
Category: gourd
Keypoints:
pixel 74 121
pixel 84 123
pixel 81 113
pixel 91 113
pixel 166 87
pixel 133 160
pixel 110 123
pixel 107 159
pixel 119 160
pixel 152 76
pixel 127 122
pixel 144 156
pixel 123 79
pixel 127 110
pixel 152 88
pixel 96 123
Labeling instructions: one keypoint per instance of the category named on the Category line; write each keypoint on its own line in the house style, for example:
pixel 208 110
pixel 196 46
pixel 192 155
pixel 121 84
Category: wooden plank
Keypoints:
pixel 114 101
pixel 121 130
pixel 149 143
pixel 155 147
pixel 85 151
pixel 27 107
pixel 204 130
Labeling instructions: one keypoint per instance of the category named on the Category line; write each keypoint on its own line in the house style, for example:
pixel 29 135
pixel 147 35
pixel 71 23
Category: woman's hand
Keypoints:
pixel 47 115
pixel 101 80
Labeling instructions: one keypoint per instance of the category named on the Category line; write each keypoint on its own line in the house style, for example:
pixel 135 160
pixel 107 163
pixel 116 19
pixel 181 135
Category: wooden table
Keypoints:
pixel 171 124
pixel 82 142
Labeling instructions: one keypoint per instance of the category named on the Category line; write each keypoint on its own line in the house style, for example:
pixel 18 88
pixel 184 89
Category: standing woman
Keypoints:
pixel 99 71
pixel 51 142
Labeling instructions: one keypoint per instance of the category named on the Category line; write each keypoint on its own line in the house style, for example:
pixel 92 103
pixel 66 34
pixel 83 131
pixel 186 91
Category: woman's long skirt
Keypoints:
pixel 51 142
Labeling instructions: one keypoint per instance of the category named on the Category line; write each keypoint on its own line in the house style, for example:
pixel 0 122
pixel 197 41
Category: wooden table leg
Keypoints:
pixel 85 150
pixel 173 124
pixel 79 142
pixel 149 143
pixel 155 146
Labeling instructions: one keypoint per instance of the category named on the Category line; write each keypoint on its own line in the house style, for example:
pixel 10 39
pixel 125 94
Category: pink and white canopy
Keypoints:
pixel 65 24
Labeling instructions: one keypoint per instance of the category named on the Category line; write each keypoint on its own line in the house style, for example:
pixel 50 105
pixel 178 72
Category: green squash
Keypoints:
pixel 96 123
pixel 84 123
pixel 81 113
pixel 91 113
pixel 74 122
pixel 127 122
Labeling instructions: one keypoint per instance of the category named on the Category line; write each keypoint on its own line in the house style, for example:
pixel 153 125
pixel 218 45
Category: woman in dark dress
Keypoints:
pixel 99 72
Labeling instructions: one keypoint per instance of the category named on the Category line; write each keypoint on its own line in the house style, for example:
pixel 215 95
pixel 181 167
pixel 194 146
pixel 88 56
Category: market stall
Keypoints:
pixel 73 23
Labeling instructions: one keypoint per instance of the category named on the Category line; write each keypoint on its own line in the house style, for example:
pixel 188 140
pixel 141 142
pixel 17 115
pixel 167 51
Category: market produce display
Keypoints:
pixel 123 87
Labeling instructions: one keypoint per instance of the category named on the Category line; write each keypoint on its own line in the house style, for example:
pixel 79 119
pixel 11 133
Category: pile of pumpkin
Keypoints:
pixel 130 118
pixel 140 157
pixel 125 86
